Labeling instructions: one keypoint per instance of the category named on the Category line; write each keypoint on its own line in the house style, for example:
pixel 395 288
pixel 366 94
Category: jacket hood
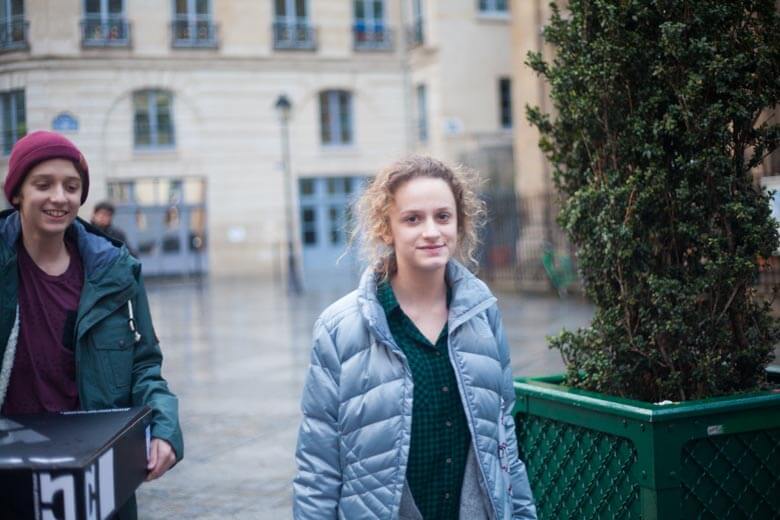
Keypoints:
pixel 97 250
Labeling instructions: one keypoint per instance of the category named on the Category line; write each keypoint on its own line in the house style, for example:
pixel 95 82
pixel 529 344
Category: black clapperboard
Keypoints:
pixel 72 465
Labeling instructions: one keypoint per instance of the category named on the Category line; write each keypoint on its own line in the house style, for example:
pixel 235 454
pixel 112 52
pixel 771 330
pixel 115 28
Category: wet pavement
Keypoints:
pixel 236 353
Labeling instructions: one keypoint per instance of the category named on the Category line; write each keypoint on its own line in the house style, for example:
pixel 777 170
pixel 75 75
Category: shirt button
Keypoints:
pixel 448 424
pixel 445 389
pixel 448 461
pixel 446 496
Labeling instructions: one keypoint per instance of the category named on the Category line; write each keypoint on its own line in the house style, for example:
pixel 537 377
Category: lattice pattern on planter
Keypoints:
pixel 732 476
pixel 576 472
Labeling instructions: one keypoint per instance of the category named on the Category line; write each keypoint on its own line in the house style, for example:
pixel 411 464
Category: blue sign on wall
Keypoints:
pixel 65 122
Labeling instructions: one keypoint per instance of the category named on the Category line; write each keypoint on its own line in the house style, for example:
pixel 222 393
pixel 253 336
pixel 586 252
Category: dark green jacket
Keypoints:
pixel 113 370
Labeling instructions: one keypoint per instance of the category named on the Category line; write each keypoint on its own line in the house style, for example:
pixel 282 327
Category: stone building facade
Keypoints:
pixel 173 103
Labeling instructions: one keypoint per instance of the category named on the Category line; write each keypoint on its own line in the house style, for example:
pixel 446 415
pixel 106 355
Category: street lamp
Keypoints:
pixel 283 107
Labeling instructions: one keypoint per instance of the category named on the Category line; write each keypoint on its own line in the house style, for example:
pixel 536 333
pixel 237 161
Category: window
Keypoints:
pixel 104 24
pixel 505 102
pixel 774 203
pixel 416 33
pixel 422 114
pixel 772 183
pixel 13 118
pixel 493 6
pixel 291 26
pixel 290 10
pixel 153 119
pixel 192 25
pixel 370 31
pixel 325 217
pixel 336 231
pixel 336 117
pixel 306 186
pixel 13 27
pixel 309 225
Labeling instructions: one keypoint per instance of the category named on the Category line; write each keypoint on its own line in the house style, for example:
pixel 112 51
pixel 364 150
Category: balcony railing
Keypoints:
pixel 13 33
pixel 372 37
pixel 294 36
pixel 416 34
pixel 111 31
pixel 187 33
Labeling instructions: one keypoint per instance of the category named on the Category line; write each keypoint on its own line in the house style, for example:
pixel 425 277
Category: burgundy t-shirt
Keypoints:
pixel 44 371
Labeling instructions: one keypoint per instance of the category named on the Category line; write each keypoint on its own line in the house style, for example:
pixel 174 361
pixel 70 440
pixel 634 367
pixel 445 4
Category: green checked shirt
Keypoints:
pixel 440 433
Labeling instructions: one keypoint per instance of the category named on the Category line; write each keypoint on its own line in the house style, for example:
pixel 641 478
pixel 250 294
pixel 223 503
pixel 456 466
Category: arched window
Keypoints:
pixel 153 119
pixel 336 117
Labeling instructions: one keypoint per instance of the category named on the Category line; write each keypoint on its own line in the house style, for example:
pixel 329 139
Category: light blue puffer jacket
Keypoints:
pixel 353 443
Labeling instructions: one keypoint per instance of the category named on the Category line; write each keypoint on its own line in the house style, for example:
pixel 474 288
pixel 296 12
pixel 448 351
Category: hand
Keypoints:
pixel 161 458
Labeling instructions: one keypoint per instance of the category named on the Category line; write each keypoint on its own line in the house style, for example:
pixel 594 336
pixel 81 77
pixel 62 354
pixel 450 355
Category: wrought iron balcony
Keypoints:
pixel 111 31
pixel 294 36
pixel 368 37
pixel 13 33
pixel 187 33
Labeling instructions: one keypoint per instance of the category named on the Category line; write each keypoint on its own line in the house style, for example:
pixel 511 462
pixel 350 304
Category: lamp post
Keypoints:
pixel 283 107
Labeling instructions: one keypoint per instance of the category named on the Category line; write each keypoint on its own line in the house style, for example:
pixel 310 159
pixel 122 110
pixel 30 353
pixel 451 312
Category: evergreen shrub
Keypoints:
pixel 661 112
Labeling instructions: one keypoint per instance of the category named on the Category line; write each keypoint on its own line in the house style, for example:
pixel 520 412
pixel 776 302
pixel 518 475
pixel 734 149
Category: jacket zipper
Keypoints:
pixel 408 371
pixel 459 377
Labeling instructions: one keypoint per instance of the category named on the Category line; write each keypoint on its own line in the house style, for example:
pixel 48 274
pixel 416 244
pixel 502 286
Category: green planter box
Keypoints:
pixel 595 456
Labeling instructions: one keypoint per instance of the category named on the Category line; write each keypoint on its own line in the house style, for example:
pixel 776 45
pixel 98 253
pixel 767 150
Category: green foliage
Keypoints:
pixel 659 108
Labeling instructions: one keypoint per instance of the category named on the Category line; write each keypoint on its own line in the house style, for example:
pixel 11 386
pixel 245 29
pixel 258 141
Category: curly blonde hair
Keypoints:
pixel 372 209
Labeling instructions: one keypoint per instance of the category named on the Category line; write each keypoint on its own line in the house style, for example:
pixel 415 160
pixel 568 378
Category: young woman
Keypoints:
pixel 75 329
pixel 407 403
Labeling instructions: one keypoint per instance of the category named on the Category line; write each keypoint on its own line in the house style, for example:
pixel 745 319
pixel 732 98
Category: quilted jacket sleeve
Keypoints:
pixel 524 507
pixel 317 485
pixel 149 387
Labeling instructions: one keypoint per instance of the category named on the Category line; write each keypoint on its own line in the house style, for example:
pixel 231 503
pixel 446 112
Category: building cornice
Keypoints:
pixel 362 63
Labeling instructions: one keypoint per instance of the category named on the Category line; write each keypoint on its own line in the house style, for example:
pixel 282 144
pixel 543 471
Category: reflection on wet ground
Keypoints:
pixel 236 352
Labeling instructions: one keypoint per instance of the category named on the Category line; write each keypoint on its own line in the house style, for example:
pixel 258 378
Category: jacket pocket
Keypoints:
pixel 114 347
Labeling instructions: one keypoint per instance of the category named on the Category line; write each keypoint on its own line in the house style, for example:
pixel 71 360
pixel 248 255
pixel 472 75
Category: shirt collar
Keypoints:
pixel 386 297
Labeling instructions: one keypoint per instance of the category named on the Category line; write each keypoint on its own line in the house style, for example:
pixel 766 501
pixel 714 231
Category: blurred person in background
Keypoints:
pixel 407 405
pixel 75 327
pixel 103 219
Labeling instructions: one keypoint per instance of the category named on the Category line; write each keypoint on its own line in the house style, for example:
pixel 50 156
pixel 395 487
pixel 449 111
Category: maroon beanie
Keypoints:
pixel 33 149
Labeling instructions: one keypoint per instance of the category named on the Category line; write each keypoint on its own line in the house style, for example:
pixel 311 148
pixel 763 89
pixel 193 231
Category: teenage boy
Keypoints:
pixel 75 328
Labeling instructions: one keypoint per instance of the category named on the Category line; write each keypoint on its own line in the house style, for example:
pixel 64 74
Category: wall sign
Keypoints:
pixel 65 122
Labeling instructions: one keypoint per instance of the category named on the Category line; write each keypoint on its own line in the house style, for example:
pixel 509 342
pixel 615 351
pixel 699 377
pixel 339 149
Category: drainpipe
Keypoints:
pixel 544 105
pixel 406 76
